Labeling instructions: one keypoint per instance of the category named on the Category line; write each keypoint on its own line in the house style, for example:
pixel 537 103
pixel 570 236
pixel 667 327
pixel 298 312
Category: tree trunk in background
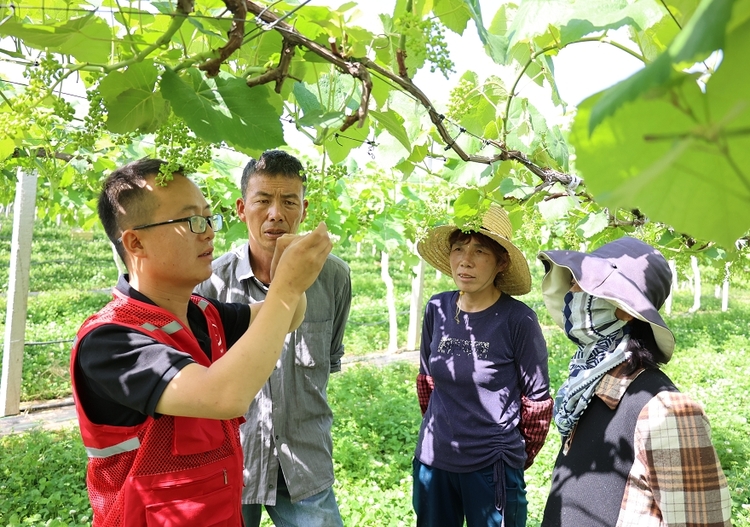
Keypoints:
pixel 668 302
pixel 390 300
pixel 725 288
pixel 696 285
pixel 415 306
pixel 18 293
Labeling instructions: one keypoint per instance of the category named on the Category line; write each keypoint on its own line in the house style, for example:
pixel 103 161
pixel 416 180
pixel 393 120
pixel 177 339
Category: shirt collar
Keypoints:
pixel 196 319
pixel 244 271
pixel 124 287
pixel 614 385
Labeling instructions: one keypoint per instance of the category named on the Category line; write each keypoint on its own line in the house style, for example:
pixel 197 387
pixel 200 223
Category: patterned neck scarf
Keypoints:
pixel 591 323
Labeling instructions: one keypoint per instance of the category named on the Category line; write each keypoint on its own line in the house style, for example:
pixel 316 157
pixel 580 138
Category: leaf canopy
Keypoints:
pixel 664 151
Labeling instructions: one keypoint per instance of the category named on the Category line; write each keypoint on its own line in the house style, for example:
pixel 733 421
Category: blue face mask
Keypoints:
pixel 589 318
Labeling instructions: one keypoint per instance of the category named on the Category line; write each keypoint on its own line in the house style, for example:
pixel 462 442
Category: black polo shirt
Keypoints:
pixel 121 373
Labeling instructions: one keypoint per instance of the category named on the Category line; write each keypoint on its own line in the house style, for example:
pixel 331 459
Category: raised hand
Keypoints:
pixel 297 260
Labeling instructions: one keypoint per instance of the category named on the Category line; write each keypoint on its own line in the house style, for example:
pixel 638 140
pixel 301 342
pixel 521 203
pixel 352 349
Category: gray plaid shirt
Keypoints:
pixel 289 422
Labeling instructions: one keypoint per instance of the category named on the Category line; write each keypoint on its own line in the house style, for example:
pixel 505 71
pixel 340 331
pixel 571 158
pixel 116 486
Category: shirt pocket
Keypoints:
pixel 208 510
pixel 312 348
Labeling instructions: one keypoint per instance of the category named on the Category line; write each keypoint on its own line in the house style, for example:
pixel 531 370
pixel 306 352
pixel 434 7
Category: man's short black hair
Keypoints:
pixel 274 163
pixel 124 201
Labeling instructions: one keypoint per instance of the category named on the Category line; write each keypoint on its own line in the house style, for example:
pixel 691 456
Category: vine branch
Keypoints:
pixel 360 68
pixel 236 35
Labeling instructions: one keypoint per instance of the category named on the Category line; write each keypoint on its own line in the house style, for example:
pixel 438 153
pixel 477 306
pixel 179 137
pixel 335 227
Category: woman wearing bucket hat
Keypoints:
pixel 483 384
pixel 635 450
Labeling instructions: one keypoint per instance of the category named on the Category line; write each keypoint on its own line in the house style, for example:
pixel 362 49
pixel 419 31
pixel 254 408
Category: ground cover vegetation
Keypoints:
pixel 376 412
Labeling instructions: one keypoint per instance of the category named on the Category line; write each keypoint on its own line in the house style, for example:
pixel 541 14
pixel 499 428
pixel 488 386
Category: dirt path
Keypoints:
pixel 53 415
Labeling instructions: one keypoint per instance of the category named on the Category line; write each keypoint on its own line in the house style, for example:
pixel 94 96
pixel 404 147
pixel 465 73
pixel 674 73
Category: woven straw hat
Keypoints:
pixel 627 272
pixel 515 280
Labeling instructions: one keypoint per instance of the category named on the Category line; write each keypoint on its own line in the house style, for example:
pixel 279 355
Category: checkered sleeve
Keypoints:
pixel 425 385
pixel 677 479
pixel 535 420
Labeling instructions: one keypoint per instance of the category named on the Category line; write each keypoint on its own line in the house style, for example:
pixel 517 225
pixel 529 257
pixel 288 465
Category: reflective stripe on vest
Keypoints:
pixel 120 448
pixel 169 329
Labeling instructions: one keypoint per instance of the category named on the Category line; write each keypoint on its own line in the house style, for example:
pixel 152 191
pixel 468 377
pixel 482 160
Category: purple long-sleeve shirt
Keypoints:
pixel 480 367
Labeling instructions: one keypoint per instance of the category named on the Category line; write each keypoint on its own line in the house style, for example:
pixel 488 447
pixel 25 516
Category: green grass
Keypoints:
pixel 42 480
pixel 367 330
pixel 376 412
pixel 61 258
pixel 375 429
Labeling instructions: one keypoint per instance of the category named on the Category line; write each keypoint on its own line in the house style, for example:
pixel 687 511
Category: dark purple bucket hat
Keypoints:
pixel 627 272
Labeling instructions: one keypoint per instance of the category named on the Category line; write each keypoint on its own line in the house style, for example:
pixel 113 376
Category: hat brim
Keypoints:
pixel 435 250
pixel 598 277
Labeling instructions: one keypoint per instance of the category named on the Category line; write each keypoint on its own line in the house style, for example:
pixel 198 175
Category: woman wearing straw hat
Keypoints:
pixel 483 385
pixel 635 452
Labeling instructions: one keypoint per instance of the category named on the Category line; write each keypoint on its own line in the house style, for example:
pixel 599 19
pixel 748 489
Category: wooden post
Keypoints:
pixel 390 300
pixel 414 332
pixel 18 292
pixel 725 288
pixel 696 285
pixel 668 302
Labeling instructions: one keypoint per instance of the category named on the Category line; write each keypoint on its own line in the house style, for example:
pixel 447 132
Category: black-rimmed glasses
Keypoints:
pixel 197 223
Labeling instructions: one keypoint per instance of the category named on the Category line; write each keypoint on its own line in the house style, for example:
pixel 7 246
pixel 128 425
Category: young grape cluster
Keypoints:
pixel 425 42
pixel 37 109
pixel 93 127
pixel 459 100
pixel 178 145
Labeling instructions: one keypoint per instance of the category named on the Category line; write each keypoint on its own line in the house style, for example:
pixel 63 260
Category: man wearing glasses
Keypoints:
pixel 161 378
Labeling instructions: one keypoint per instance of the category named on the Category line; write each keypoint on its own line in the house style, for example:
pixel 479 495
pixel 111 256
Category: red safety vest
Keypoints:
pixel 170 471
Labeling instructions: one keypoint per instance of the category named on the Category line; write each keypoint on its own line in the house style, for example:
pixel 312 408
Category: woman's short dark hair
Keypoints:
pixel 645 353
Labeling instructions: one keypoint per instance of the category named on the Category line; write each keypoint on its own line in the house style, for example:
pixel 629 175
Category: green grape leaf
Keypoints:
pixel 480 113
pixel 322 120
pixel 246 120
pixel 467 204
pixel 137 111
pixel 141 76
pixel 680 158
pixel 577 19
pixel 132 105
pixel 406 168
pixel 703 34
pixel 557 208
pixel 418 153
pixel 514 188
pixel 557 147
pixel 86 38
pixel 338 148
pixel 394 124
pixel 305 98
pixel 7 146
pixel 592 224
pixel 495 38
pixel 454 14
